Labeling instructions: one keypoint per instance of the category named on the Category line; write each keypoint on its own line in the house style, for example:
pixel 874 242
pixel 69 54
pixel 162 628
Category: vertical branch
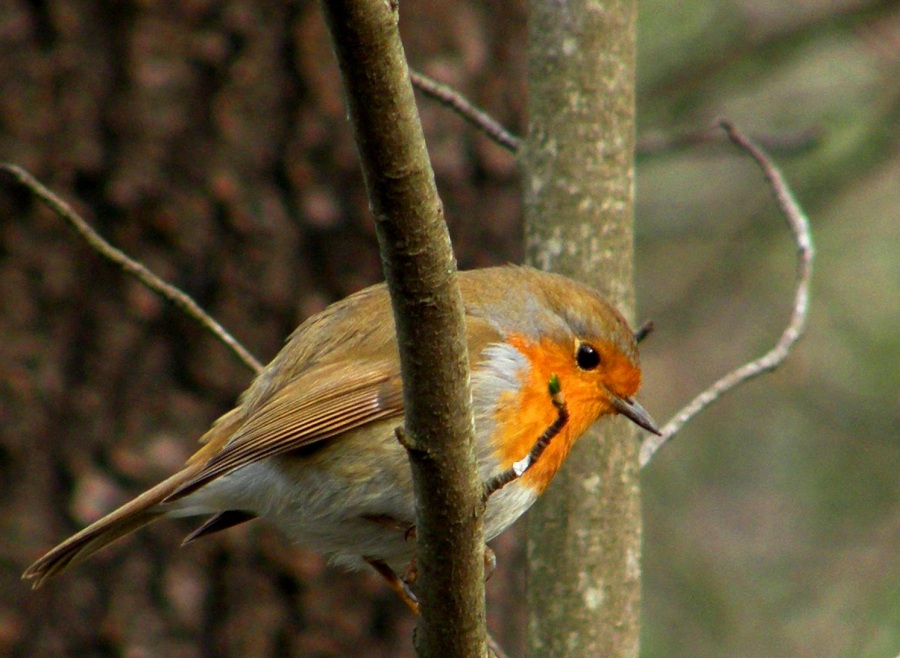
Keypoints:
pixel 585 531
pixel 420 270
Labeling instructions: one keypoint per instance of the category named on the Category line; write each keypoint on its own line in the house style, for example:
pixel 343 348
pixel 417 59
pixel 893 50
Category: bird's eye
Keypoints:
pixel 587 357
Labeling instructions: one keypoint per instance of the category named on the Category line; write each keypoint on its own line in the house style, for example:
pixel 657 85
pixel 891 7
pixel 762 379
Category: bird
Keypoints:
pixel 311 446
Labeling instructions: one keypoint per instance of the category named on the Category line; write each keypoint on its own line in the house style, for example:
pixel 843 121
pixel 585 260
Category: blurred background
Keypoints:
pixel 208 139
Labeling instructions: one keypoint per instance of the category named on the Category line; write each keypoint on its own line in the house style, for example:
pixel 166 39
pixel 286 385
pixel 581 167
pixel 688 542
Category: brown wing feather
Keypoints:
pixel 131 516
pixel 319 406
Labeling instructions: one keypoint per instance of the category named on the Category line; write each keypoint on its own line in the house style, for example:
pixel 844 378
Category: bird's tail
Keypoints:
pixel 129 517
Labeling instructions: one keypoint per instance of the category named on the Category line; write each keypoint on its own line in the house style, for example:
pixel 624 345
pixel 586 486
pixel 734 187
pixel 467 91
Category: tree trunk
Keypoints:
pixel 585 532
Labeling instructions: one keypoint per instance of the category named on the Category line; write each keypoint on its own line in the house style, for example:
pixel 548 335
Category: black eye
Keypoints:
pixel 587 357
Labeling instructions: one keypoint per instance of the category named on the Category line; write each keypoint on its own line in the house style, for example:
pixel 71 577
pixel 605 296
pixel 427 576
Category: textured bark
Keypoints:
pixel 428 311
pixel 208 139
pixel 585 532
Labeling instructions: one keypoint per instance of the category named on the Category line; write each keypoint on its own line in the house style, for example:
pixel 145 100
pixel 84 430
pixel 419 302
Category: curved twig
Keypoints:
pixel 798 141
pixel 799 225
pixel 459 104
pixel 646 145
pixel 137 270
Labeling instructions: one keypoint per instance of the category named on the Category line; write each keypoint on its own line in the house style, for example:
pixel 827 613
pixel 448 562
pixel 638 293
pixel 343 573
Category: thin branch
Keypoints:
pixel 496 651
pixel 650 144
pixel 799 225
pixel 519 468
pixel 140 272
pixel 461 105
pixel 798 141
pixel 644 330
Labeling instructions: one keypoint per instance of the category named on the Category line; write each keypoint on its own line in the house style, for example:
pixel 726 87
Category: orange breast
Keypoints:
pixel 523 416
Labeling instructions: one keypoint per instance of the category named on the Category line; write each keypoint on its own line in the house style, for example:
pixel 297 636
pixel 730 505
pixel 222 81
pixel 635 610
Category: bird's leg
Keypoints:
pixel 410 573
pixel 396 583
pixel 400 584
pixel 490 562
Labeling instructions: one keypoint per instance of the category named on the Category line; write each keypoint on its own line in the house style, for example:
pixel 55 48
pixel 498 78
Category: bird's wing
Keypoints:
pixel 326 397
pixel 326 401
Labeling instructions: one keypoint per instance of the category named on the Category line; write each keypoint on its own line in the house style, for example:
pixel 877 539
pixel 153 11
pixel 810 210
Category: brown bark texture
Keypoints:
pixel 428 312
pixel 210 140
pixel 584 536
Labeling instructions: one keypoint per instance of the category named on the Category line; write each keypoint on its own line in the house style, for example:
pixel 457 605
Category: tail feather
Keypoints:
pixel 129 517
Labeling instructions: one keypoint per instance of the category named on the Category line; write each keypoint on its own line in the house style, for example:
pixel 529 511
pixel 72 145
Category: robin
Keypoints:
pixel 311 444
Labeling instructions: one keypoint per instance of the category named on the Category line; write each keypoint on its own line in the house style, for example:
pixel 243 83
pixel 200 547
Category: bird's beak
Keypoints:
pixel 631 409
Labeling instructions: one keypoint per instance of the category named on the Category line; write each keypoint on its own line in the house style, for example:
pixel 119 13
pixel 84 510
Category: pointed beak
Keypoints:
pixel 631 409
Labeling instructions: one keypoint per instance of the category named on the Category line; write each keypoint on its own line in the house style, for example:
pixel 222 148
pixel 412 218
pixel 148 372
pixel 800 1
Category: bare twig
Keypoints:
pixel 644 330
pixel 650 144
pixel 140 272
pixel 799 225
pixel 498 651
pixel 787 142
pixel 459 104
pixel 521 467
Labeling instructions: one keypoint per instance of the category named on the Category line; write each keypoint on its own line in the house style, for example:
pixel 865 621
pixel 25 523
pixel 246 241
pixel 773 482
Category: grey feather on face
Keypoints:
pixel 588 325
pixel 522 311
pixel 541 305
